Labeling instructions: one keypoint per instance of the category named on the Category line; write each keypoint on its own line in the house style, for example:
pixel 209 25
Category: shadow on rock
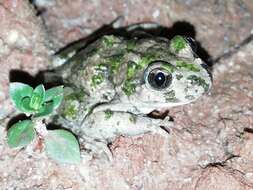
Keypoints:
pixel 24 77
pixel 16 119
pixel 16 75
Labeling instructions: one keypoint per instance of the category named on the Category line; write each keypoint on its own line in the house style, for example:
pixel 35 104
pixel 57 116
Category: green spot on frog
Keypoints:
pixel 195 80
pixel 144 61
pixel 129 87
pixel 132 69
pixel 178 43
pixel 75 96
pixel 108 114
pixel 115 62
pixel 72 101
pixel 108 41
pixel 70 111
pixel 168 67
pixel 188 66
pixel 131 45
pixel 97 79
pixel 71 96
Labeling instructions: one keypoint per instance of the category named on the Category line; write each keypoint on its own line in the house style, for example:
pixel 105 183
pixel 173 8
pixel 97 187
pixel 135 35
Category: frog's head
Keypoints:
pixel 174 78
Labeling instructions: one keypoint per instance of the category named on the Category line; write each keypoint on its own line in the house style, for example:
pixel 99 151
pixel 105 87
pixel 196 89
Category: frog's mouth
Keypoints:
pixel 142 108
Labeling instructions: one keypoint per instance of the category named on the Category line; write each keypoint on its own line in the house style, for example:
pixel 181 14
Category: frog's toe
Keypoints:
pixel 166 122
pixel 99 148
pixel 163 127
pixel 105 151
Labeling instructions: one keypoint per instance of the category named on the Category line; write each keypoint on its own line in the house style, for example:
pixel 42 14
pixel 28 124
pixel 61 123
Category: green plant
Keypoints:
pixel 38 103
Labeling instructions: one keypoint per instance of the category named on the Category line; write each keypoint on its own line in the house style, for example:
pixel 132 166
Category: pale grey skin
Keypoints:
pixel 108 92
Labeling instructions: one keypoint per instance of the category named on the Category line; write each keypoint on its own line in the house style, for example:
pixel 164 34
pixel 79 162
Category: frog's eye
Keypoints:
pixel 159 79
pixel 157 76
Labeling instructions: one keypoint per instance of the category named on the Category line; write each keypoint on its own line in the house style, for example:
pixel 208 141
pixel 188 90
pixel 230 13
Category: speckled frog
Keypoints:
pixel 113 83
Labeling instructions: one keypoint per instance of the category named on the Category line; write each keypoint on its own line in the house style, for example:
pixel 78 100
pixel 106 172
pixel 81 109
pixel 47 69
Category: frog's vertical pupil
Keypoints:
pixel 159 79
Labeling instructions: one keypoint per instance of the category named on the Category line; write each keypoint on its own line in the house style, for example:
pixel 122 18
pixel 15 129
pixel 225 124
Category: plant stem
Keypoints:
pixel 40 128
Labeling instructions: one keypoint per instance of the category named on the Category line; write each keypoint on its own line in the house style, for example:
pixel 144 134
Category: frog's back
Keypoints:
pixel 107 64
pixel 90 76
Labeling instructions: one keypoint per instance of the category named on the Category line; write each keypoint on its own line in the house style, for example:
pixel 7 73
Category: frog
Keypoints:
pixel 112 84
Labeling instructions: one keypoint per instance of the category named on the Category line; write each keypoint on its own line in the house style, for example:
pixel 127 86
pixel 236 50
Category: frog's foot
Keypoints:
pixel 166 122
pixel 97 147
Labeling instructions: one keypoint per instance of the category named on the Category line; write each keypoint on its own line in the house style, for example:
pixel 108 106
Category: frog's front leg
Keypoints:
pixel 96 146
pixel 103 127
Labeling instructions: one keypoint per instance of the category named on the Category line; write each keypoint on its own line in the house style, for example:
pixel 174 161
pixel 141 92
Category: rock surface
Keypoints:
pixel 211 143
pixel 22 46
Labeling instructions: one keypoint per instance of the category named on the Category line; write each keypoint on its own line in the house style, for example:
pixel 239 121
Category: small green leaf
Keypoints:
pixel 38 97
pixel 20 134
pixel 17 92
pixel 62 146
pixel 54 94
pixel 46 109
pixel 178 43
pixel 26 105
